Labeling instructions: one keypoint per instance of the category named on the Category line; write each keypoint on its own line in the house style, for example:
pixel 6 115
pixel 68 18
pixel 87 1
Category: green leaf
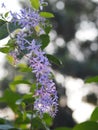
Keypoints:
pixel 47 119
pixel 6 14
pixel 2 121
pixel 27 98
pixel 9 46
pixel 24 115
pixel 48 29
pixel 33 88
pixel 18 77
pixel 45 40
pixel 20 122
pixel 21 82
pixel 35 4
pixel 5 49
pixel 46 15
pixel 94 115
pixel 89 125
pixel 63 128
pixel 37 29
pixel 4 31
pixel 2 22
pixel 24 68
pixel 11 43
pixel 37 123
pixel 54 60
pixel 11 59
pixel 91 79
pixel 2 99
pixel 13 85
pixel 11 98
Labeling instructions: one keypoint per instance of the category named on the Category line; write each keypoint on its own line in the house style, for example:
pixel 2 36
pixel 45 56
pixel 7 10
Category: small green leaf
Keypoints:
pixel 45 40
pixel 88 125
pixel 9 46
pixel 48 29
pixel 17 80
pixel 37 123
pixel 2 121
pixel 2 99
pixel 33 88
pixel 23 105
pixel 6 14
pixel 94 115
pixel 27 98
pixel 91 79
pixel 4 31
pixel 11 98
pixel 20 82
pixel 20 122
pixel 46 15
pixel 24 115
pixel 13 88
pixel 24 68
pixel 47 119
pixel 2 22
pixel 11 59
pixel 37 28
pixel 5 49
pixel 11 43
pixel 54 60
pixel 18 77
pixel 35 4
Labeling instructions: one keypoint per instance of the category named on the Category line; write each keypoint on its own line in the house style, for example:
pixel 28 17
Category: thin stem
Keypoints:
pixel 26 40
pixel 7 24
pixel 31 128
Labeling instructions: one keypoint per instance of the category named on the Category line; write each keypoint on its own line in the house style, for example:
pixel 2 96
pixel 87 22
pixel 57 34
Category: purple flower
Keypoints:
pixel 46 96
pixel 27 18
pixel 46 101
pixel 3 5
pixel 45 104
pixel 33 47
pixel 21 41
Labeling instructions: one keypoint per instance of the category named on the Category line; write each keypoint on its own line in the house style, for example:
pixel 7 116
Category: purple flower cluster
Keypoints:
pixel 46 95
pixel 46 101
pixel 27 18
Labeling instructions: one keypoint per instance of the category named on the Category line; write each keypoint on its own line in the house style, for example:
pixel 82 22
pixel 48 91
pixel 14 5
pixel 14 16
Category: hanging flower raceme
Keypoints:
pixel 45 95
pixel 46 101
